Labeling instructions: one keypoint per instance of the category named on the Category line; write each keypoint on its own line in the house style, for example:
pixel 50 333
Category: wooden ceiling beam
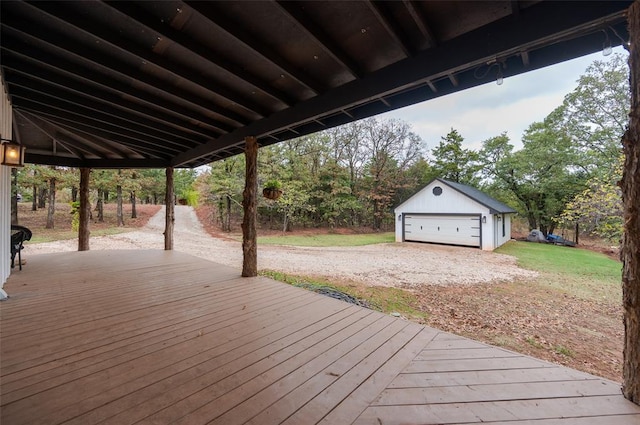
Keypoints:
pixel 76 147
pixel 88 58
pixel 108 163
pixel 25 97
pixel 421 22
pixel 185 41
pixel 238 31
pixel 309 27
pixel 60 97
pixel 75 121
pixel 36 63
pixel 65 17
pixel 385 19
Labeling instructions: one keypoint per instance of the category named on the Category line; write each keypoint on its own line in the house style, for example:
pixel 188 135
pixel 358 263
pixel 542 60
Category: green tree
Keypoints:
pixel 225 181
pixel 51 175
pixel 542 176
pixel 102 181
pixel 293 203
pixel 184 180
pixel 347 149
pixel 416 176
pixel 453 162
pixel 332 198
pixel 152 185
pixel 391 149
pixel 595 114
pixel 598 209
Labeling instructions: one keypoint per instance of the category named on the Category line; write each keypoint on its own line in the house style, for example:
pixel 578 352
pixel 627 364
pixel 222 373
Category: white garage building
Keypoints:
pixel 447 212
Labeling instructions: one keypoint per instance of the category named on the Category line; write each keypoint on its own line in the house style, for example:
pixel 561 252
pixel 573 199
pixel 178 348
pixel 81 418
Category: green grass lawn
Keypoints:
pixel 384 299
pixel 328 240
pixel 583 273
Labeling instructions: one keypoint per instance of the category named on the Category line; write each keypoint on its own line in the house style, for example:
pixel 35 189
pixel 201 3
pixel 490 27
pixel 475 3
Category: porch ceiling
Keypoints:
pixel 181 83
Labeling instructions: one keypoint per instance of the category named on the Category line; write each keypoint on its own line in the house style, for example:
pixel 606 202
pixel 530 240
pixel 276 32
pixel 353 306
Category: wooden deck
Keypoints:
pixel 153 337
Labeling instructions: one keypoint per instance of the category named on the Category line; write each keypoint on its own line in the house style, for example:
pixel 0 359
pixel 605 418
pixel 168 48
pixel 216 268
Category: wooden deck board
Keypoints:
pixel 496 411
pixel 154 337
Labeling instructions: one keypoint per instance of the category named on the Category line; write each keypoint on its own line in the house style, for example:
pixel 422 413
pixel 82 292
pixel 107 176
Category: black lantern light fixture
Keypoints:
pixel 11 154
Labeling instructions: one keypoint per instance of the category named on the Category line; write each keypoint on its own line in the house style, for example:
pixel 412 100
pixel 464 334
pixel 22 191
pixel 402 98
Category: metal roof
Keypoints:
pixel 495 206
pixel 182 83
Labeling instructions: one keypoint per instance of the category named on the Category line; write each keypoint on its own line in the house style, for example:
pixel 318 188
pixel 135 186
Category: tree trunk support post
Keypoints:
pixel 249 205
pixel 84 212
pixel 170 217
pixel 631 243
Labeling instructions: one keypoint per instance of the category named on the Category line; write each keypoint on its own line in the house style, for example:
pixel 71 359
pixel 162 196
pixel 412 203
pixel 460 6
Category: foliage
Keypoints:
pixel 191 197
pixel 541 176
pixel 183 181
pixel 598 208
pixel 452 162
pixel 222 186
pixel 273 184
pixel 75 215
pixel 596 113
pixel 293 203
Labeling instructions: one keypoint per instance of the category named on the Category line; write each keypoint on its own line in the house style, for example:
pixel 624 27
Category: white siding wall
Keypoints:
pixel 5 191
pixel 449 202
pixel 507 230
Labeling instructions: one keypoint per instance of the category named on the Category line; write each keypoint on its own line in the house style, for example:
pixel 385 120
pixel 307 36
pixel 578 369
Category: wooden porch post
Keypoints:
pixel 170 217
pixel 249 204
pixel 631 198
pixel 85 205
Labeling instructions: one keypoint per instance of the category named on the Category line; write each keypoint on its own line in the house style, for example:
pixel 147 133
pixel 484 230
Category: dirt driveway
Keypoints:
pixel 407 265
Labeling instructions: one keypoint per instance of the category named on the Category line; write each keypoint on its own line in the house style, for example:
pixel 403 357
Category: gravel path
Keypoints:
pixel 408 265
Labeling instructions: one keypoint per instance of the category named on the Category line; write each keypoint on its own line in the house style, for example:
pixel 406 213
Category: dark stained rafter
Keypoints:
pixel 72 103
pixel 120 66
pixel 515 8
pixel 79 149
pixel 91 57
pixel 167 32
pixel 182 83
pixel 106 89
pixel 242 33
pixel 75 123
pixel 293 10
pixel 380 10
pixel 105 36
pixel 34 104
pixel 80 152
pixel 421 22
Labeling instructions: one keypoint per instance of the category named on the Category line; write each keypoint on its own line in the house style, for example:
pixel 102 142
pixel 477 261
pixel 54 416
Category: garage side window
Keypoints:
pixel 504 227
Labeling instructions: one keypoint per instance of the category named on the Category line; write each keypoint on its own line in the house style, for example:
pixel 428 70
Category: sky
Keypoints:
pixel 488 110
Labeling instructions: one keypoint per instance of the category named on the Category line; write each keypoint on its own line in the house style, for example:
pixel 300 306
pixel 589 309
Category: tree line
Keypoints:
pixel 41 186
pixel 566 171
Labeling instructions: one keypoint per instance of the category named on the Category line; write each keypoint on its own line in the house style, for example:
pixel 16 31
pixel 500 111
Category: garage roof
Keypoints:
pixel 182 83
pixel 495 206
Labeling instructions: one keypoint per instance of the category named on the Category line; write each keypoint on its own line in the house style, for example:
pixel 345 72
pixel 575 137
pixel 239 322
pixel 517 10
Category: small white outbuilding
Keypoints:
pixel 447 212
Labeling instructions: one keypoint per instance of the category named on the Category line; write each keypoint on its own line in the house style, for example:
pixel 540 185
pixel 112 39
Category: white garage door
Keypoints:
pixel 446 229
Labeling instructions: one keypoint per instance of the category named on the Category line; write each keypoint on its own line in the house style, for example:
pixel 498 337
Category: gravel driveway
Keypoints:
pixel 406 265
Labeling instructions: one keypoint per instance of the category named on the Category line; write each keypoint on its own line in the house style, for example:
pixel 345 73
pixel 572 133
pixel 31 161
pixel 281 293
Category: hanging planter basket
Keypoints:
pixel 271 193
